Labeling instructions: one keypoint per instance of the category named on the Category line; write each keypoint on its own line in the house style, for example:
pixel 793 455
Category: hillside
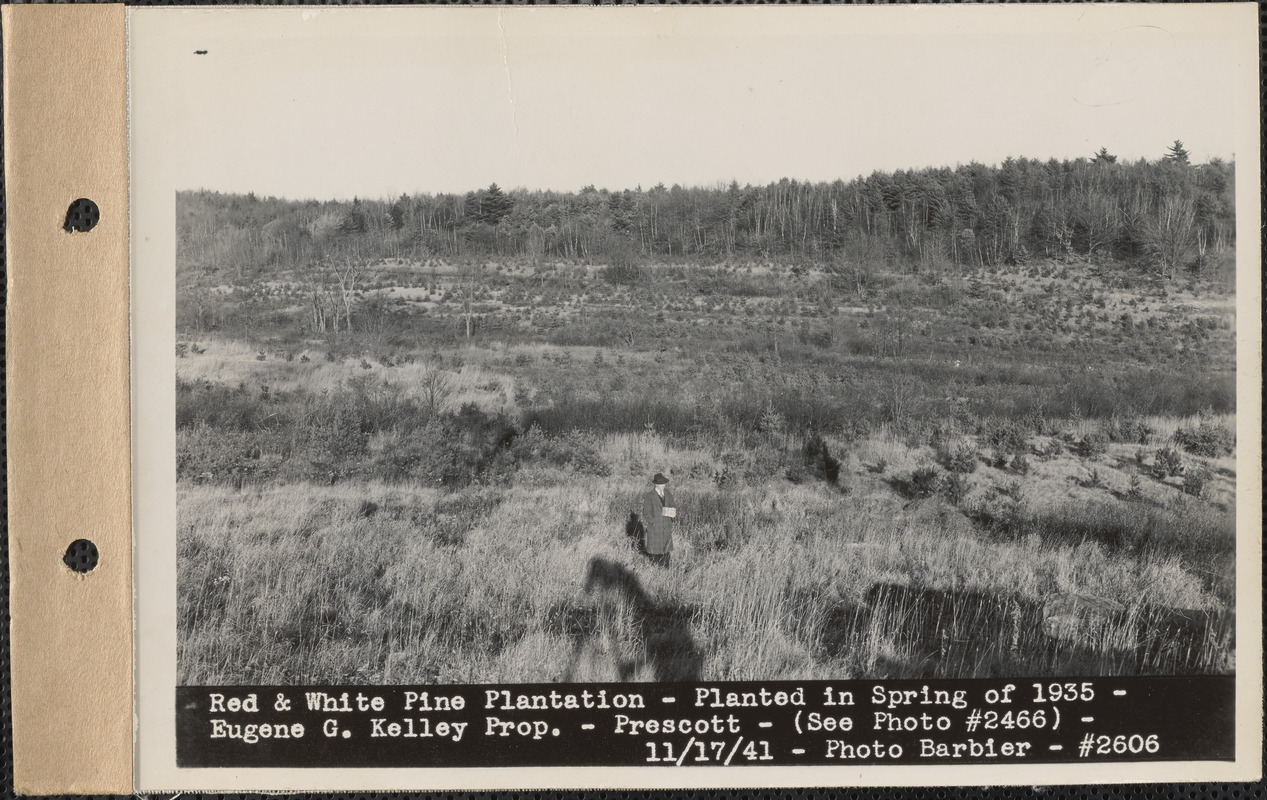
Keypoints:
pixel 409 438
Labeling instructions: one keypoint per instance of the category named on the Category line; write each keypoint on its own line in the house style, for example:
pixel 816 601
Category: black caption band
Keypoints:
pixel 777 723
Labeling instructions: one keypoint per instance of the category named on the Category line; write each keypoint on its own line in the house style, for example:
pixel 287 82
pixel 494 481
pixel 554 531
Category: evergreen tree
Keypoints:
pixel 1177 154
pixel 397 212
pixel 492 204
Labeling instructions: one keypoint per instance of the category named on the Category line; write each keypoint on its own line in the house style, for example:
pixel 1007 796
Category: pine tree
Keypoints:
pixel 396 214
pixel 492 204
pixel 1104 157
pixel 1177 154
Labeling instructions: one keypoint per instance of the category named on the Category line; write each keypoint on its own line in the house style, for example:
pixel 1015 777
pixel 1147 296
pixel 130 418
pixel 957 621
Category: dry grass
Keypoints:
pixel 373 583
pixel 233 363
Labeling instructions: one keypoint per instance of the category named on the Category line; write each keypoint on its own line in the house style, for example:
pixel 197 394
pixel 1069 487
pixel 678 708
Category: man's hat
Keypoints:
pixel 659 478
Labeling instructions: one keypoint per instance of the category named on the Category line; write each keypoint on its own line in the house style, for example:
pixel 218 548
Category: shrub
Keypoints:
pixel 1020 464
pixel 573 451
pixel 1167 463
pixel 725 477
pixel 1035 421
pixel 819 461
pixel 796 473
pixel 1135 489
pixel 478 441
pixel 582 456
pixel 209 454
pixel 955 487
pixel 1128 430
pixel 962 459
pixel 1004 435
pixel 420 456
pixel 341 437
pixel 944 435
pixel 1208 439
pixel 1012 490
pixel 1092 445
pixel 219 406
pixel 925 481
pixel 1196 479
pixel 454 450
pixel 381 406
pixel 772 422
pixel 821 337
pixel 624 271
pixel 1095 480
pixel 1050 449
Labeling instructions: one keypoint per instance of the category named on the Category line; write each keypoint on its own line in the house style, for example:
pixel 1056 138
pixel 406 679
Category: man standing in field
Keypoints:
pixel 658 515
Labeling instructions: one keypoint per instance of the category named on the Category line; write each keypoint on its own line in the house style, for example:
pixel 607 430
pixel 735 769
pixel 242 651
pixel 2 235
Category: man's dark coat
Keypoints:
pixel 658 528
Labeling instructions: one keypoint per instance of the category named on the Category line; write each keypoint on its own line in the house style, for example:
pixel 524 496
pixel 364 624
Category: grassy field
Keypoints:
pixel 378 583
pixel 1025 473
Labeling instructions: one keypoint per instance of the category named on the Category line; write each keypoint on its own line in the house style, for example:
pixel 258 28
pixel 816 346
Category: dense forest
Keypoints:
pixel 1162 216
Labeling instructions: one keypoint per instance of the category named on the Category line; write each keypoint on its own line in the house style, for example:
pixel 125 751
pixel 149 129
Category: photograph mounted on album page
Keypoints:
pixel 695 397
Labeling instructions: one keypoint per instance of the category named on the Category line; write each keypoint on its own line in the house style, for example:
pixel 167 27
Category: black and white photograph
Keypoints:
pixel 636 346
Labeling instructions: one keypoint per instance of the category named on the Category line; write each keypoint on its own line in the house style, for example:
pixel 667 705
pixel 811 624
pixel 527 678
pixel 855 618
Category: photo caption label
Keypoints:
pixel 732 724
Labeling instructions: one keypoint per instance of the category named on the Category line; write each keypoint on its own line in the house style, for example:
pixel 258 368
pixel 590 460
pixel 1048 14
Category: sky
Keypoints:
pixel 341 102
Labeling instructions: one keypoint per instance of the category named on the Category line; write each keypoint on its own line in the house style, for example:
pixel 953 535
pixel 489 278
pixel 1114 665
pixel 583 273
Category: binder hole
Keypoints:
pixel 81 556
pixel 82 216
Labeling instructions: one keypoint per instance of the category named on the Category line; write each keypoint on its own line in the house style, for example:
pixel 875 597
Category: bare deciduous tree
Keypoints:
pixel 372 323
pixel 1097 217
pixel 1170 236
pixel 470 278
pixel 347 273
pixel 436 387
